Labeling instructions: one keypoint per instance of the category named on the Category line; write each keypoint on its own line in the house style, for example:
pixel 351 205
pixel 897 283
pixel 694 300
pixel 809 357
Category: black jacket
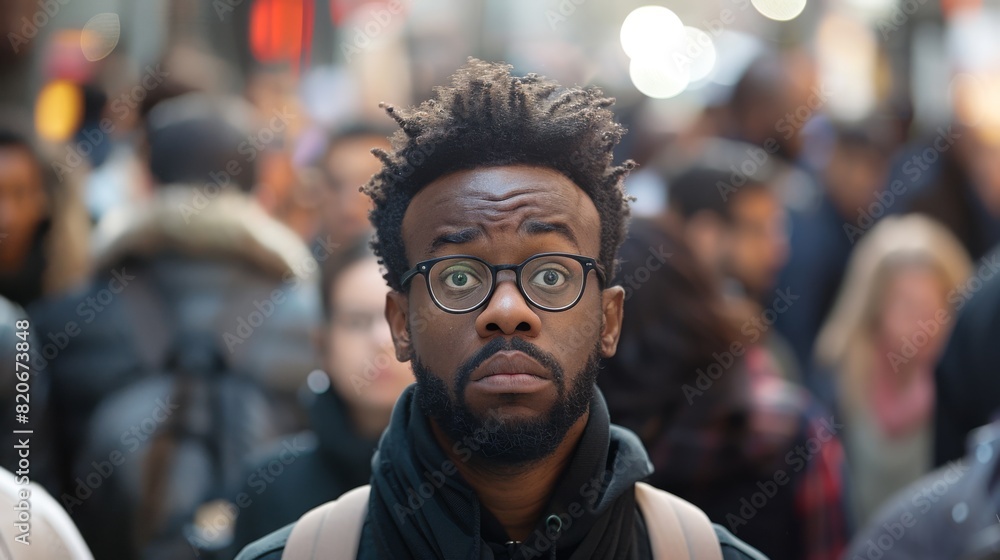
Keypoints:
pixel 968 387
pixel 317 467
pixel 601 476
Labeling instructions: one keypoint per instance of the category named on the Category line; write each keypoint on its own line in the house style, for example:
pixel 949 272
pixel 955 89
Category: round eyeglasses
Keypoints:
pixel 463 283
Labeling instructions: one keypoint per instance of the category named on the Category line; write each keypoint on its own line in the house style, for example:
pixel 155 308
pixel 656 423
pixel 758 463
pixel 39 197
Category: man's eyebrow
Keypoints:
pixel 538 226
pixel 465 235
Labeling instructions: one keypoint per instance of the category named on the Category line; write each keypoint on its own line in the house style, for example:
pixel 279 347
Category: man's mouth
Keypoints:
pixel 511 372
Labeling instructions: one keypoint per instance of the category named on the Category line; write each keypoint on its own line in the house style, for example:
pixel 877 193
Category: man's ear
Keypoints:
pixel 612 307
pixel 396 307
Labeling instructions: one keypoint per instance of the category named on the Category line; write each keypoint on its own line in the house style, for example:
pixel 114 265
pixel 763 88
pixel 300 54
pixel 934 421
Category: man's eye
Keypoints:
pixel 549 278
pixel 459 278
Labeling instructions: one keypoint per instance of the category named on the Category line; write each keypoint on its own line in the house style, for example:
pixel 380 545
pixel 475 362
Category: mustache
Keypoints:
pixel 548 361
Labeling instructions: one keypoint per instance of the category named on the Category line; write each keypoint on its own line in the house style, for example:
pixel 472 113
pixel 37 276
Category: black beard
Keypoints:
pixel 506 442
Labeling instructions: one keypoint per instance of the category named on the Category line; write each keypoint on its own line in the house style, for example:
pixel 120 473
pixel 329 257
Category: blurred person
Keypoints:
pixel 967 388
pixel 349 412
pixel 964 193
pixel 199 302
pixel 346 166
pixel 766 105
pixel 949 513
pixel 878 349
pixel 48 532
pixel 504 435
pixel 735 225
pixel 43 225
pixel 715 417
pixel 822 237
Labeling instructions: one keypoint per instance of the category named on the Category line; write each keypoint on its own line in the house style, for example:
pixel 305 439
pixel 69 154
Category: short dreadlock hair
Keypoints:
pixel 489 118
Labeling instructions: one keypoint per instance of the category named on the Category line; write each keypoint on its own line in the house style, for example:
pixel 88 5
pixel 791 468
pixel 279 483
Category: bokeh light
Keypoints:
pixel 651 31
pixel 58 111
pixel 699 50
pixel 780 10
pixel 658 77
pixel 100 36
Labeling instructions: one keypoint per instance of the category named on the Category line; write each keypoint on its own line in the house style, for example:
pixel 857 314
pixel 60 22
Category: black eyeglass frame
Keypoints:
pixel 588 263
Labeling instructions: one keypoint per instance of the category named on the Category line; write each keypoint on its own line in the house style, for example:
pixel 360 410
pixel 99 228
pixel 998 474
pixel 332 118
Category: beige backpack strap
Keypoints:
pixel 677 529
pixel 330 531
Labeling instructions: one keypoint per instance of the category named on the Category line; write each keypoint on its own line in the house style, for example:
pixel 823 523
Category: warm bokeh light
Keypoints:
pixel 100 36
pixel 58 111
pixel 974 97
pixel 847 54
pixel 280 29
pixel 651 31
pixel 780 10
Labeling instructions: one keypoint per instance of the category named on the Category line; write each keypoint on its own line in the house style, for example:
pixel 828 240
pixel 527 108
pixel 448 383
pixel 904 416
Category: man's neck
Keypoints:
pixel 516 496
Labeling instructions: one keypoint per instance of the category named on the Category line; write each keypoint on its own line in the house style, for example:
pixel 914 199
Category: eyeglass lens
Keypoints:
pixel 550 282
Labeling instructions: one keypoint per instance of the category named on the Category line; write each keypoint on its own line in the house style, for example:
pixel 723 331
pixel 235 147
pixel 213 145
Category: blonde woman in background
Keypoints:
pixel 879 346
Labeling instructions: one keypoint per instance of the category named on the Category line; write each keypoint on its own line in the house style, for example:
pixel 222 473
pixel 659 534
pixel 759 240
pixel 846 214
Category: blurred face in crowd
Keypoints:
pixel 23 203
pixel 758 241
pixel 359 352
pixel 984 168
pixel 853 176
pixel 514 376
pixel 347 166
pixel 913 306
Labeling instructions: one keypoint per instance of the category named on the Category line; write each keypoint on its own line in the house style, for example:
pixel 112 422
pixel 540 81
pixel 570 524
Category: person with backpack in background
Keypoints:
pixel 498 215
pixel 350 403
pixel 184 354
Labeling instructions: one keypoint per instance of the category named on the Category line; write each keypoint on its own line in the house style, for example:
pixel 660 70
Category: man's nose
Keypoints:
pixel 508 312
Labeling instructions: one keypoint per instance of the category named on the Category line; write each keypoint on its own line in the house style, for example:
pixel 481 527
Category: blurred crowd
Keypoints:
pixel 811 330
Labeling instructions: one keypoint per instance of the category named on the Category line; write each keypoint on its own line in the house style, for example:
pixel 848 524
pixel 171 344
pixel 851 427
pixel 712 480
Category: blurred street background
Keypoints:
pixel 181 226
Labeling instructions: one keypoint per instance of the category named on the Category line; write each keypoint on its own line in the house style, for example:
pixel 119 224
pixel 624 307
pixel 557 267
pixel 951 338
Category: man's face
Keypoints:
pixel 504 215
pixel 759 241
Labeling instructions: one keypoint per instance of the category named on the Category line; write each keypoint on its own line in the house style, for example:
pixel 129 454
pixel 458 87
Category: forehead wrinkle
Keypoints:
pixel 453 237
